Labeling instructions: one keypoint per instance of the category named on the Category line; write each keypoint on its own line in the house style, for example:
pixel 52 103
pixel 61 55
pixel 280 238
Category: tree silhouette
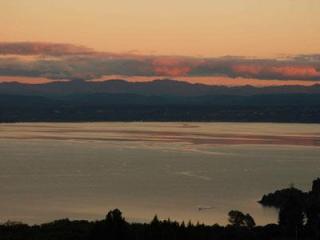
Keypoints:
pixel 239 219
pixel 114 227
pixel 249 221
pixel 316 187
pixel 291 217
pixel 114 217
pixel 313 210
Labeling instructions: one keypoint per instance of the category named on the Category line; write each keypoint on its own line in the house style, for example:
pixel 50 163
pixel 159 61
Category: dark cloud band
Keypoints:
pixel 74 62
pixel 38 48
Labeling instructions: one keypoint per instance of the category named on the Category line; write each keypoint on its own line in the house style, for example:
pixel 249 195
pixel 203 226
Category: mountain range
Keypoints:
pixel 165 87
pixel 159 100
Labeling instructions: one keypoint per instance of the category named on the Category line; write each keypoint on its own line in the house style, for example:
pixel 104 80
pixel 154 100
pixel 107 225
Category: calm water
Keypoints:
pixel 50 171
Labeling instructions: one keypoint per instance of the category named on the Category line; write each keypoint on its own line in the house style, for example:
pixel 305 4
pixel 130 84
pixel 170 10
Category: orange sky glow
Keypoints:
pixel 199 29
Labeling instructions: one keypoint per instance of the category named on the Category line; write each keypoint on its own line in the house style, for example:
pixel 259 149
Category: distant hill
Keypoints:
pixel 153 88
pixel 165 100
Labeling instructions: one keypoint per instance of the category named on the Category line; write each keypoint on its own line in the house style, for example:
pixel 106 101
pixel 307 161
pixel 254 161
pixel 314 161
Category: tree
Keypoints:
pixel 313 209
pixel 238 219
pixel 155 221
pixel 291 217
pixel 316 187
pixel 249 221
pixel 115 225
pixel 115 217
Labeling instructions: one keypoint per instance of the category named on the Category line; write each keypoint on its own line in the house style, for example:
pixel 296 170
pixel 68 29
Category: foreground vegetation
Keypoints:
pixel 299 218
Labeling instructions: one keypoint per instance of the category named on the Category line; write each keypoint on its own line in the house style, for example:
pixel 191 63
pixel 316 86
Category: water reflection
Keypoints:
pixel 50 171
pixel 182 132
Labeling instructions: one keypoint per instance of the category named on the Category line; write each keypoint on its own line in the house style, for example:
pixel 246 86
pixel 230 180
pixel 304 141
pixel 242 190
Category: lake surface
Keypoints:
pixel 81 170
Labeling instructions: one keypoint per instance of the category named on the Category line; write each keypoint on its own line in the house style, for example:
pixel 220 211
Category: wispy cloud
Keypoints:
pixel 39 48
pixel 66 61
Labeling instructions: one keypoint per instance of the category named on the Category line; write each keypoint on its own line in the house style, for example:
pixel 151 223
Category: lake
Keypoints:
pixel 82 170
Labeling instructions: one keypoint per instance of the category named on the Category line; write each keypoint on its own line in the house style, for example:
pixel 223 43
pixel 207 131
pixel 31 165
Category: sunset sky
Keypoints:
pixel 211 41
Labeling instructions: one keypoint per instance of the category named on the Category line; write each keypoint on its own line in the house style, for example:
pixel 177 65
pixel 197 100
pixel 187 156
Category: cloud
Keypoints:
pixel 287 72
pixel 66 61
pixel 38 48
pixel 264 69
pixel 172 66
pixel 75 67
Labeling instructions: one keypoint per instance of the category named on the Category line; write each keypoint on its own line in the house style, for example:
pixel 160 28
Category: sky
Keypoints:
pixel 243 41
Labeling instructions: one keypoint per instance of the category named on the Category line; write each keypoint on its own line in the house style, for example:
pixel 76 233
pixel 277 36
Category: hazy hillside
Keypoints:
pixel 157 87
pixel 164 100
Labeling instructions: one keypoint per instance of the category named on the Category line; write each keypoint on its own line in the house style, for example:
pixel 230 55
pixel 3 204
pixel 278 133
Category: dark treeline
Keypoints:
pixel 299 218
pixel 124 108
pixel 114 226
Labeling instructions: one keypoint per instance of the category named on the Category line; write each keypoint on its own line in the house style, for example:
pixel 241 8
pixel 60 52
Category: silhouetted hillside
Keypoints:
pixel 163 100
pixel 157 87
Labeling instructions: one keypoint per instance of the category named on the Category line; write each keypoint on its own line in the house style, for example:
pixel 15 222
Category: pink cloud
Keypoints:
pixel 67 61
pixel 282 72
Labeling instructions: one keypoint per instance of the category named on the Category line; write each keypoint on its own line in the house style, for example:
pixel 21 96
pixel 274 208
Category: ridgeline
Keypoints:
pixel 160 100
